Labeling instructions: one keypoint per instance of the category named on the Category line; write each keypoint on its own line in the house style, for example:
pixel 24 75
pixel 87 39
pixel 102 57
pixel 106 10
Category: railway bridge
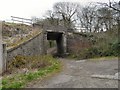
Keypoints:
pixel 58 34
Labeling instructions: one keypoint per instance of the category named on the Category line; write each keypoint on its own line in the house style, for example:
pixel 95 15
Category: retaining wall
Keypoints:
pixel 30 47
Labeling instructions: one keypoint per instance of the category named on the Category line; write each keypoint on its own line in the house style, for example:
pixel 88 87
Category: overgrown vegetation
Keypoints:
pixel 25 69
pixel 10 29
pixel 15 34
pixel 92 45
pixel 20 40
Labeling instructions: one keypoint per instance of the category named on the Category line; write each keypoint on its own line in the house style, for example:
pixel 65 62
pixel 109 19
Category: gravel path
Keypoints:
pixel 78 74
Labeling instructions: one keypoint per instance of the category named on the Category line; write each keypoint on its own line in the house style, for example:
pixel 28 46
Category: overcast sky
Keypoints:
pixel 29 8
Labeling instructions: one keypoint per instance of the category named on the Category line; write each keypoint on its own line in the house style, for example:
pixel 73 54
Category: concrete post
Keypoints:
pixel 1 48
pixel 1 58
pixel 3 53
pixel 44 46
pixel 4 57
pixel 65 42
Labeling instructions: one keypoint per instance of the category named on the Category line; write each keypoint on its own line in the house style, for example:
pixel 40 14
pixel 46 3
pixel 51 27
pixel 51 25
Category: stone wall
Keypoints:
pixel 30 47
pixel 78 41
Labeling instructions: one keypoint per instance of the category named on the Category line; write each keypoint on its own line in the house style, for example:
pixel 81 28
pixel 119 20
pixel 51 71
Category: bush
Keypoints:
pixel 29 62
pixel 87 53
pixel 97 45
pixel 93 51
pixel 116 48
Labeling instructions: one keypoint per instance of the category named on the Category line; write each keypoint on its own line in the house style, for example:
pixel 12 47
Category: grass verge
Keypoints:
pixel 21 80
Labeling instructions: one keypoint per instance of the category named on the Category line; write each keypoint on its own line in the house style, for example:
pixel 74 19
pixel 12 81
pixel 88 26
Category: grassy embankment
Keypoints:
pixel 15 34
pixel 36 67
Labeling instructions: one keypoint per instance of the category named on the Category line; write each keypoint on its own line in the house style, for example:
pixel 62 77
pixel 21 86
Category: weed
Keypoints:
pixel 20 80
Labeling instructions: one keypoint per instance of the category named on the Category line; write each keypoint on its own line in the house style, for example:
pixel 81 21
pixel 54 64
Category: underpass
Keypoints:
pixel 59 36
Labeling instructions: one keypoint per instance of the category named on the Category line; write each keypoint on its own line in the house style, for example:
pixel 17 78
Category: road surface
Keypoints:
pixel 77 74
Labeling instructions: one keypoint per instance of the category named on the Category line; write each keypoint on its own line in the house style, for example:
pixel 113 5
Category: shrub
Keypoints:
pixel 116 48
pixel 29 62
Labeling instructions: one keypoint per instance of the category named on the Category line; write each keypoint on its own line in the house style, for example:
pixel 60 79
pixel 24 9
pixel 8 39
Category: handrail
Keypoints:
pixel 23 20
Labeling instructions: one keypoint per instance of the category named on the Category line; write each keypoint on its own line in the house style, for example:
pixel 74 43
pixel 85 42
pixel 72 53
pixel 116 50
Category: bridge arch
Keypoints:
pixel 61 40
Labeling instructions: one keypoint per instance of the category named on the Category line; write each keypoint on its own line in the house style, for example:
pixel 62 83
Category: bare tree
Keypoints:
pixel 115 6
pixel 66 11
pixel 86 17
pixel 96 17
pixel 106 17
pixel 52 17
pixel 35 19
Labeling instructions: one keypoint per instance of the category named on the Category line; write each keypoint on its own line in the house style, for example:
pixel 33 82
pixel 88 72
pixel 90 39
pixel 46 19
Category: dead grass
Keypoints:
pixel 25 64
pixel 37 67
pixel 22 40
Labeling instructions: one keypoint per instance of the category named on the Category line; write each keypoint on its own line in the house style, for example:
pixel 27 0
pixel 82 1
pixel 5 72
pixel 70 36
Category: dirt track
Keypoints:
pixel 77 74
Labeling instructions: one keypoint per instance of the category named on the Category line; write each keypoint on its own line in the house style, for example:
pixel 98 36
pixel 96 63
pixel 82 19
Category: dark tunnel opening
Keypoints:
pixel 58 38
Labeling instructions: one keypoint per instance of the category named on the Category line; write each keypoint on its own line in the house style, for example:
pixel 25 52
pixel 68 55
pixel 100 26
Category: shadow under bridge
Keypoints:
pixel 60 38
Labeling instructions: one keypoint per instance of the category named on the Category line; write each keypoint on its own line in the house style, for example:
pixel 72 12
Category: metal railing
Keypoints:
pixel 22 20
